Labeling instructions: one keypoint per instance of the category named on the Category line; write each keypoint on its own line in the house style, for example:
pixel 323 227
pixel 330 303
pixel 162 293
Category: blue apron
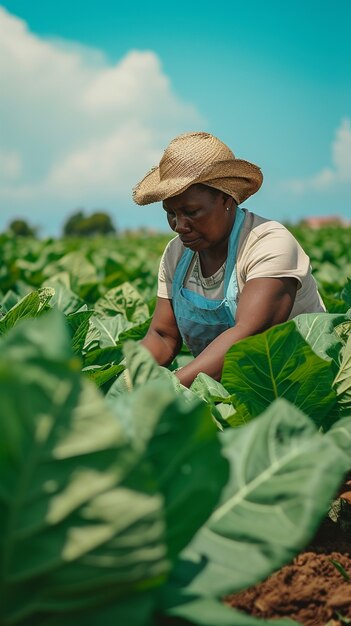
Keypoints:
pixel 199 319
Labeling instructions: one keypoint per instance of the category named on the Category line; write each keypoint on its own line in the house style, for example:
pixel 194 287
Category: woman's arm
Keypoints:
pixel 163 339
pixel 263 303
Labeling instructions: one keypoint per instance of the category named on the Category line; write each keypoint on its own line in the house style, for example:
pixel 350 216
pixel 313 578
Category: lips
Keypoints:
pixel 189 242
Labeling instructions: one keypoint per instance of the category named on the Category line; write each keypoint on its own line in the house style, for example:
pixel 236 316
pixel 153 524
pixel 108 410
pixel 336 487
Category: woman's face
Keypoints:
pixel 200 218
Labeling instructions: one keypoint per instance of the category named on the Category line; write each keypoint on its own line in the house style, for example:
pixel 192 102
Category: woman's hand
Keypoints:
pixel 263 303
pixel 163 339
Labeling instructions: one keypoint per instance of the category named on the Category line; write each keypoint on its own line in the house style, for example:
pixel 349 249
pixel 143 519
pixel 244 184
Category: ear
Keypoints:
pixel 225 197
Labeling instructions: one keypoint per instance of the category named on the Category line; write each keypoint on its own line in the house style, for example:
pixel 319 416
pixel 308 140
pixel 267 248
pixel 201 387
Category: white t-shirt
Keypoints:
pixel 266 250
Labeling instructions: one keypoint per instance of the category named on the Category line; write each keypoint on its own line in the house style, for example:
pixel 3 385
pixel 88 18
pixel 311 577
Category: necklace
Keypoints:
pixel 209 281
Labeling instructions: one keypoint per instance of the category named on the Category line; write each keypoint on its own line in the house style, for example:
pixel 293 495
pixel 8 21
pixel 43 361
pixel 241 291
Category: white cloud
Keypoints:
pixel 78 127
pixel 10 166
pixel 341 151
pixel 106 162
pixel 328 177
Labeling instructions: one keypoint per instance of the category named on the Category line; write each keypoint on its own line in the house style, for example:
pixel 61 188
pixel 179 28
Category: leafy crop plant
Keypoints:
pixel 135 509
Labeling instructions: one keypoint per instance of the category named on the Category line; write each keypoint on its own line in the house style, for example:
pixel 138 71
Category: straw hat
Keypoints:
pixel 198 158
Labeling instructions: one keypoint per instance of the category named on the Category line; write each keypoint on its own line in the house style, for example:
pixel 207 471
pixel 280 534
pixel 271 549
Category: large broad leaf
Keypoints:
pixel 142 368
pixel 129 611
pixel 218 398
pixel 283 475
pixel 124 299
pixel 136 332
pixel 104 332
pixel 209 389
pixel 39 256
pixel 190 469
pixel 64 298
pixel 78 266
pixel 101 374
pixel 79 325
pixel 82 518
pixel 342 380
pixel 141 365
pixel 333 304
pixel 333 273
pixel 92 502
pixel 185 451
pixel 278 364
pixel 103 356
pixel 30 306
pixel 318 329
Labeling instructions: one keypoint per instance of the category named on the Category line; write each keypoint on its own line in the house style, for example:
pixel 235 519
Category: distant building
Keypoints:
pixel 326 220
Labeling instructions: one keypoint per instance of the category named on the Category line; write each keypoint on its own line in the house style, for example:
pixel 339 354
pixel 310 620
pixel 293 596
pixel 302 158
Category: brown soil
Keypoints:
pixel 310 590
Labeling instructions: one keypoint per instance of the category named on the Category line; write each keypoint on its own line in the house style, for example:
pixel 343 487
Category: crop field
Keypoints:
pixel 150 506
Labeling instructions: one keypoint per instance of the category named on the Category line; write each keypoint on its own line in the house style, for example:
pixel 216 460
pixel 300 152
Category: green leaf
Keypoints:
pixel 142 368
pixel 135 333
pixel 102 374
pixel 79 326
pixel 32 340
pixel 105 331
pixel 330 273
pixel 141 365
pixel 82 519
pixel 283 475
pixel 340 569
pixel 92 502
pixel 342 382
pixel 346 292
pixel 218 398
pixel 127 611
pixel 318 329
pixel 343 330
pixel 64 298
pixel 209 611
pixel 333 304
pixel 126 300
pixel 103 356
pixel 29 306
pixel 209 389
pixel 79 268
pixel 278 364
pixel 184 449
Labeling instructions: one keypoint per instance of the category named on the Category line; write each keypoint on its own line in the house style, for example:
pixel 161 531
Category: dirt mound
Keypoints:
pixel 314 589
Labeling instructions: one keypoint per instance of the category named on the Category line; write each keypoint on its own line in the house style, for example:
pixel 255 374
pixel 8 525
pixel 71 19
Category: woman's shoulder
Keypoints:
pixel 260 232
pixel 174 248
pixel 257 226
pixel 171 255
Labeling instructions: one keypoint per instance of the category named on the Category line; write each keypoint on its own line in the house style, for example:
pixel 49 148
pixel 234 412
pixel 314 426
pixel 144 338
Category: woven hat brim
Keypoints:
pixel 236 177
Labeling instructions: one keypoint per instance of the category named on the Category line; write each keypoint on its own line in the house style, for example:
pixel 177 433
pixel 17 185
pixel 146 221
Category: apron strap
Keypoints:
pixel 233 246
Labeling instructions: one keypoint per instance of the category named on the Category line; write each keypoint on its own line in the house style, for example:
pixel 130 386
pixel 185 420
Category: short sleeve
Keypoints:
pixel 273 252
pixel 168 263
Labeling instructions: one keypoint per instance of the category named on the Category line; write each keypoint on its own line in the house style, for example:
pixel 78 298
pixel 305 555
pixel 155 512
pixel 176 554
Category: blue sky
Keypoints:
pixel 92 92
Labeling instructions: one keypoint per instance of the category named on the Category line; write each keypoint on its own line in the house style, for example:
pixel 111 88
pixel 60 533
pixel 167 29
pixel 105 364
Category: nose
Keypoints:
pixel 181 224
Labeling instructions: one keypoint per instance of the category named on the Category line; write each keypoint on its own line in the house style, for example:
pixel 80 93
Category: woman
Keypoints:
pixel 229 273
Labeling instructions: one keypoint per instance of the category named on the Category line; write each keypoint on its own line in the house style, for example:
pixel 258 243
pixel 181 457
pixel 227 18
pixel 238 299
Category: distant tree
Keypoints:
pixel 21 228
pixel 78 225
pixel 100 222
pixel 72 225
